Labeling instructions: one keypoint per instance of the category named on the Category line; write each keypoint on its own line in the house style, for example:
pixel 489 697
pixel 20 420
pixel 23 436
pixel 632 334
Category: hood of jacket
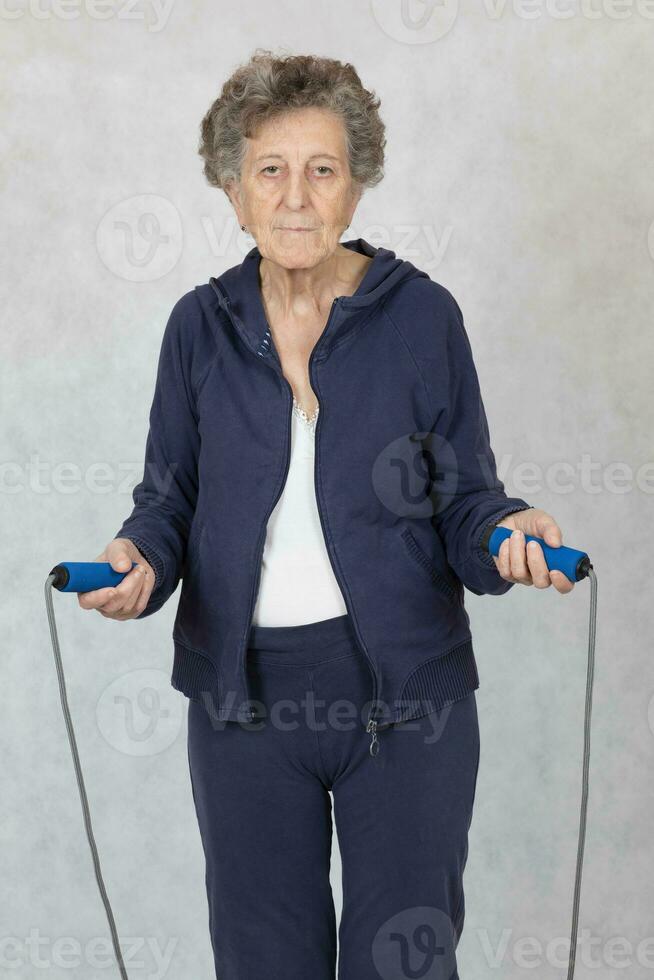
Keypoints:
pixel 239 293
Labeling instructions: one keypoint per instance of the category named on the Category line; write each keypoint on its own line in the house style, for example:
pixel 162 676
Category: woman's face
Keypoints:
pixel 296 175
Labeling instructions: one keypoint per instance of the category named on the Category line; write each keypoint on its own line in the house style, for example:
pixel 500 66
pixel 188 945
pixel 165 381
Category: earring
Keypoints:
pixel 243 228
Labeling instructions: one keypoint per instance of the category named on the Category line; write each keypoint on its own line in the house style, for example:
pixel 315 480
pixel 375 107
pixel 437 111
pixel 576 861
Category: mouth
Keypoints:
pixel 297 229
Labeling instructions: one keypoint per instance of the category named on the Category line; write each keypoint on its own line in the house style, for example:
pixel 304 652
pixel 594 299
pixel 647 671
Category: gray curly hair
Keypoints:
pixel 269 85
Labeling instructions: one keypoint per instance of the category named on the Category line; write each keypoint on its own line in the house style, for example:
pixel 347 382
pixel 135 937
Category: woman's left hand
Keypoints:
pixel 518 562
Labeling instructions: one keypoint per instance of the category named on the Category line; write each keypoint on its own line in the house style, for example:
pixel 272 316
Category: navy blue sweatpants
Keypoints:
pixel 262 797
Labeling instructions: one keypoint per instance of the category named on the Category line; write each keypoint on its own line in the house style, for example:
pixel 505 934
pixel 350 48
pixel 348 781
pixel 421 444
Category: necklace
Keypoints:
pixel 299 411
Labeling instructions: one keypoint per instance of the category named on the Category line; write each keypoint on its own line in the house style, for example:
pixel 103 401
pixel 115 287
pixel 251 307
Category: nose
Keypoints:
pixel 296 190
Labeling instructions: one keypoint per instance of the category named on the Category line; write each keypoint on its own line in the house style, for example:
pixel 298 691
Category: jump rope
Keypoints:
pixel 70 576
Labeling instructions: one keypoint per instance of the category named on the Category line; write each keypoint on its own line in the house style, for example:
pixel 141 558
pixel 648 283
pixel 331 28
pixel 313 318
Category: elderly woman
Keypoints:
pixel 319 475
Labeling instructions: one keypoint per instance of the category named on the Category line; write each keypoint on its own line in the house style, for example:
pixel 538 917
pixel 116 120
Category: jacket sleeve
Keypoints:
pixel 473 496
pixel 165 499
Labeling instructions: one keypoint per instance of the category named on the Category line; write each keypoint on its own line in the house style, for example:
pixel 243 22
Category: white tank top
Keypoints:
pixel 297 583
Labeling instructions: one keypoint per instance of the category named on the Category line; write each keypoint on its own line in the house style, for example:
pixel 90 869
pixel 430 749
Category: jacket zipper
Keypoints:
pixel 262 534
pixel 371 724
pixel 261 544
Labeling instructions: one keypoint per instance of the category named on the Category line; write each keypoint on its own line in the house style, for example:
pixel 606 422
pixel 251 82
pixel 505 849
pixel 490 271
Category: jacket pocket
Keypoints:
pixel 444 581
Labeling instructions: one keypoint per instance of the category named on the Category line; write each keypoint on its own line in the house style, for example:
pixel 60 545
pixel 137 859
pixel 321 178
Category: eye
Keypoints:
pixel 271 166
pixel 323 166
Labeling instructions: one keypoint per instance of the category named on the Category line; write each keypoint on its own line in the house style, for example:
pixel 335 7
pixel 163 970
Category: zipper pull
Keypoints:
pixel 374 742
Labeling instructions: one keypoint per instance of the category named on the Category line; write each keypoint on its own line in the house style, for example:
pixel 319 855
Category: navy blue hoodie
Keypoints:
pixel 405 481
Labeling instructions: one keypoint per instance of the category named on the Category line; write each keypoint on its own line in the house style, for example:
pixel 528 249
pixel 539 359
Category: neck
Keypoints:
pixel 301 292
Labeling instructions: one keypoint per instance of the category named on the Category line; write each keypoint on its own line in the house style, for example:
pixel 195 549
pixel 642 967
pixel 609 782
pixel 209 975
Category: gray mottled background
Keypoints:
pixel 519 174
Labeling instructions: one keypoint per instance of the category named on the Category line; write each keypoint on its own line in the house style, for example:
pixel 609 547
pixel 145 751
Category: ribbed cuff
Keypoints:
pixel 152 557
pixel 194 674
pixel 439 681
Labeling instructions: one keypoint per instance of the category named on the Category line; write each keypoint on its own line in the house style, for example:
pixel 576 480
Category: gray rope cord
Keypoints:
pixel 584 795
pixel 80 779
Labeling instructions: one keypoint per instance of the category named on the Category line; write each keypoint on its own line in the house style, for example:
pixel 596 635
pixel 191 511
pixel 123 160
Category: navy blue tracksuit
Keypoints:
pixel 261 792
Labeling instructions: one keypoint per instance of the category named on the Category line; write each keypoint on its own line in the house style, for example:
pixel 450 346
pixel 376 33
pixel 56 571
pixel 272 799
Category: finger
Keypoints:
pixel 503 561
pixel 136 606
pixel 518 557
pixel 146 592
pixel 540 573
pixel 118 555
pixel 561 582
pixel 94 598
pixel 141 578
pixel 549 530
pixel 121 562
pixel 123 592
pixel 118 616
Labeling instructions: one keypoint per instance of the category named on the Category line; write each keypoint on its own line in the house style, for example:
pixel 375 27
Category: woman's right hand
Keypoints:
pixel 129 598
